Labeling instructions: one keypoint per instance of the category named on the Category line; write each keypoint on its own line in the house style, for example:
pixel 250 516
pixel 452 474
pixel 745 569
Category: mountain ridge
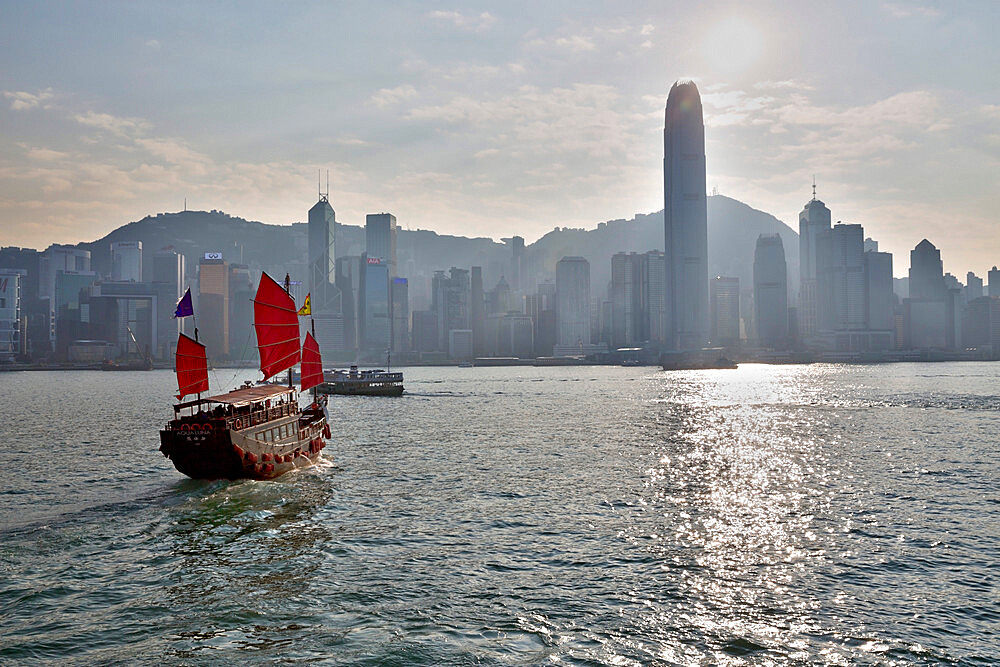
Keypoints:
pixel 733 228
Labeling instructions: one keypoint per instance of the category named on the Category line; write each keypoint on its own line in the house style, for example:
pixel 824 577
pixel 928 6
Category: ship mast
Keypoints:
pixel 288 285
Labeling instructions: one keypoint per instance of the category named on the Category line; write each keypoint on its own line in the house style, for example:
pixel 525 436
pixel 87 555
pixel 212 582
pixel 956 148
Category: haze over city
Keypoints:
pixel 492 120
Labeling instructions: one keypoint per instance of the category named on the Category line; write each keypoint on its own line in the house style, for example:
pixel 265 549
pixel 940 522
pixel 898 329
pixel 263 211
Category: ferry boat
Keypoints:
pixel 257 431
pixel 353 382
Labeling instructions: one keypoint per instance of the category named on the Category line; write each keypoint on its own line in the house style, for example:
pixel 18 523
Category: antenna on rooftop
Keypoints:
pixel 814 187
pixel 323 196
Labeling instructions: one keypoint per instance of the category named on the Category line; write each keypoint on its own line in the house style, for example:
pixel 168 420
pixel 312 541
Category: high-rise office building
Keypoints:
pixel 168 279
pixel 477 311
pixel 629 296
pixel 241 293
pixel 878 290
pixel 322 231
pixel 400 303
pixel 376 321
pixel 656 295
pixel 725 302
pixel 926 272
pixel 770 292
pixel 380 239
pixel 213 304
pixel 843 281
pixel 349 286
pixel 993 279
pixel 572 302
pixel 517 267
pixel 424 331
pixel 814 225
pixel 12 329
pixel 450 294
pixel 56 259
pixel 685 218
pixel 929 321
pixel 973 286
pixel 126 261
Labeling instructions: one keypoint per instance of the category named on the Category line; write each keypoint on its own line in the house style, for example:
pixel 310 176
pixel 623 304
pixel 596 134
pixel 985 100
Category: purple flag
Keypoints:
pixel 184 307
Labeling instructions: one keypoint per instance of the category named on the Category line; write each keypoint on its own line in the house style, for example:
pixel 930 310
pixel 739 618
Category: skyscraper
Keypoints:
pixel 814 223
pixel 322 257
pixel 845 279
pixel 168 270
pixel 993 278
pixel 725 310
pixel 629 295
pixel 380 239
pixel 11 330
pixel 926 272
pixel 400 302
pixel 477 312
pixel 450 302
pixel 685 218
pixel 878 288
pixel 770 292
pixel 213 304
pixel 516 262
pixel 973 286
pixel 376 318
pixel 572 302
pixel 126 261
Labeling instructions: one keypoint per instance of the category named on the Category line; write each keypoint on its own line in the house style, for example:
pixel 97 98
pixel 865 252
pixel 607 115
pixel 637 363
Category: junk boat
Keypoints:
pixel 362 383
pixel 257 431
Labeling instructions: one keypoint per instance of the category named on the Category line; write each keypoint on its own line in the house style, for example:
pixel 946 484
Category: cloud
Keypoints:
pixel 22 100
pixel 576 43
pixel 386 97
pixel 119 125
pixel 647 29
pixel 472 23
pixel 901 10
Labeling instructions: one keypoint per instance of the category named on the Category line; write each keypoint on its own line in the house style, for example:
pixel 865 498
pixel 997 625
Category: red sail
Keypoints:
pixel 277 323
pixel 312 364
pixel 192 367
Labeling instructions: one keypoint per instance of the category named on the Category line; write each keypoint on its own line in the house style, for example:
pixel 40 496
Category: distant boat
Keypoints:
pixel 257 431
pixel 695 364
pixel 465 364
pixel 353 382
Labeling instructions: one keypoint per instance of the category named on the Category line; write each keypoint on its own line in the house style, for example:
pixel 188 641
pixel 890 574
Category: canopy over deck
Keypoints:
pixel 243 396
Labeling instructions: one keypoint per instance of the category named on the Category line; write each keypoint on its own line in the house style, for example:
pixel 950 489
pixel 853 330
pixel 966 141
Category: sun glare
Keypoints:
pixel 733 45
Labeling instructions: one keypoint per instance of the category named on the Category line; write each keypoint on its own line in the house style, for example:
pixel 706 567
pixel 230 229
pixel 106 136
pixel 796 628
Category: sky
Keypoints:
pixel 499 118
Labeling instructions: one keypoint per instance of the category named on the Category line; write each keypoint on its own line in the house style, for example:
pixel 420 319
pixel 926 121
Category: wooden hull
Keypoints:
pixel 261 451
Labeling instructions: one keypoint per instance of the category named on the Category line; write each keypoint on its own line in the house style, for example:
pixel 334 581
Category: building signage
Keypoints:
pixel 374 260
pixel 213 255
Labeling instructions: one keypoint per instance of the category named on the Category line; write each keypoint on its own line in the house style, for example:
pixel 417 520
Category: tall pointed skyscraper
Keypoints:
pixel 327 306
pixel 322 256
pixel 685 219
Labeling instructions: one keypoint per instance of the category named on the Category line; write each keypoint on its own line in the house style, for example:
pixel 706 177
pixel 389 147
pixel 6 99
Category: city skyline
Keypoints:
pixel 479 123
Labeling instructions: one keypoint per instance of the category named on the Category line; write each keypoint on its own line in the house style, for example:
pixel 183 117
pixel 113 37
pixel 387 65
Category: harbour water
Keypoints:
pixel 816 514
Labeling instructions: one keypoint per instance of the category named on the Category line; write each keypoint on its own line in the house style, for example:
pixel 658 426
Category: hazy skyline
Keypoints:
pixel 498 118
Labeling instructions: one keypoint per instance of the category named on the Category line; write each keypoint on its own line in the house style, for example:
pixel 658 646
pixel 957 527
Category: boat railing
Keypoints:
pixel 241 419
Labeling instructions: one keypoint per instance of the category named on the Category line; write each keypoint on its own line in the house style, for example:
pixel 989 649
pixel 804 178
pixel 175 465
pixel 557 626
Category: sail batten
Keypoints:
pixel 276 322
pixel 312 363
pixel 191 364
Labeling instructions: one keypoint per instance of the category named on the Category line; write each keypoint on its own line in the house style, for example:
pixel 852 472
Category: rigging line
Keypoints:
pixel 243 356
